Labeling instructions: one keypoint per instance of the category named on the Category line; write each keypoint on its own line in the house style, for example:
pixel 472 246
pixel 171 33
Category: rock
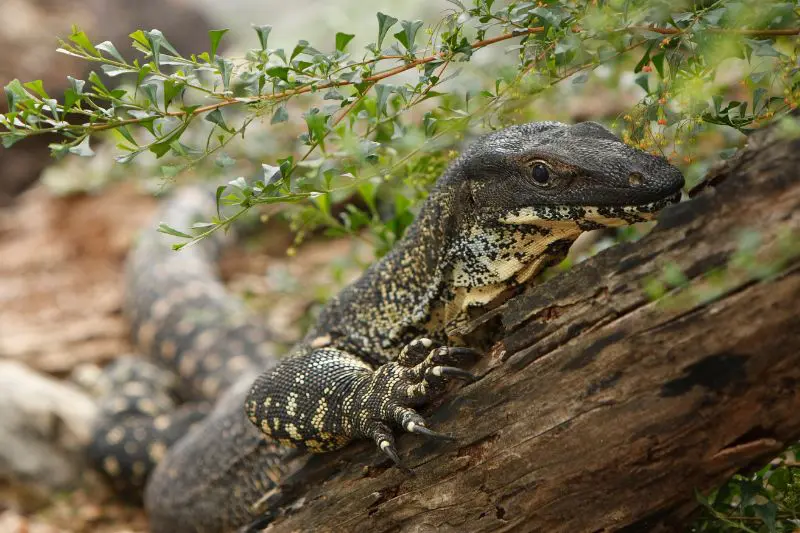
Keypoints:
pixel 29 53
pixel 45 425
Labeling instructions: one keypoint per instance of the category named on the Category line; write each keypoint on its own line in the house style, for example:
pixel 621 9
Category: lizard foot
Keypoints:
pixel 418 375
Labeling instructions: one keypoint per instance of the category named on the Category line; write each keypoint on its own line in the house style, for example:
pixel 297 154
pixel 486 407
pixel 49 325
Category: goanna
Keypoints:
pixel 510 205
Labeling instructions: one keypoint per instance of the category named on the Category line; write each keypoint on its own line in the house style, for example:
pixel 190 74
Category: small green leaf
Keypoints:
pixel 768 513
pixel 38 87
pixel 70 99
pixel 272 175
pixel 126 158
pixel 82 149
pixel 548 17
pixel 263 35
pixel 76 85
pixel 215 36
pixel 383 93
pixel 429 123
pixel 239 183
pixel 430 67
pixel 317 126
pixel 287 167
pixel 203 225
pixel 155 36
pixel 218 196
pixel 126 134
pixel 225 67
pixel 109 48
pixel 280 115
pixel 384 23
pixel 169 230
pixel 215 117
pixel 143 72
pixel 164 144
pixel 342 39
pixel 82 40
pixel 172 88
pixel 150 90
pixel 299 48
pixel 113 71
pixel 16 93
pixel 701 498
pixel 279 72
pixel 140 38
pixel 97 83
pixel 758 94
pixel 409 33
pixel 643 81
pixel 658 62
pixel 170 171
pixel 11 139
pixel 223 160
pixel 762 47
pixel 644 60
pixel 580 78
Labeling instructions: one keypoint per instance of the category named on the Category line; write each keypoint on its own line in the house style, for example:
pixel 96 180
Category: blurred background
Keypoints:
pixel 66 226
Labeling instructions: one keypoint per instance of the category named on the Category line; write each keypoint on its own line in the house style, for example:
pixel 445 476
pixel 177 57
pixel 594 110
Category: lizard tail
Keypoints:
pixel 199 340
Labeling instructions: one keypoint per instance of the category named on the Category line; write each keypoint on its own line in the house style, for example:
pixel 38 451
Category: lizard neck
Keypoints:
pixel 451 261
pixel 392 302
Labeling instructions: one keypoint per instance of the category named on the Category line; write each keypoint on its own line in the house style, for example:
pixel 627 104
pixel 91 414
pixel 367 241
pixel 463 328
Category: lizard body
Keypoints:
pixel 510 205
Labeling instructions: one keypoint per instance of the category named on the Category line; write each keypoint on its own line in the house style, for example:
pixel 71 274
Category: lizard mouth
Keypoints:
pixel 650 209
pixel 605 215
pixel 657 205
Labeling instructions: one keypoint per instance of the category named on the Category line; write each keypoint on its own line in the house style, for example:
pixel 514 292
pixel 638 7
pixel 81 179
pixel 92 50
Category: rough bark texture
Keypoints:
pixel 598 409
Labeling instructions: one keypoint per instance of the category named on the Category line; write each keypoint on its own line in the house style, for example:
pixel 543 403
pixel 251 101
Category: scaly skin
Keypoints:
pixel 509 206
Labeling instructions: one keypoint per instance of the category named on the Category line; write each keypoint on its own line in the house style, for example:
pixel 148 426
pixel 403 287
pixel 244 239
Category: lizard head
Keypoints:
pixel 549 171
pixel 523 194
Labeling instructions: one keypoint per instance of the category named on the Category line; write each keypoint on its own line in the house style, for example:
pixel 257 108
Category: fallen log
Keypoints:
pixel 600 408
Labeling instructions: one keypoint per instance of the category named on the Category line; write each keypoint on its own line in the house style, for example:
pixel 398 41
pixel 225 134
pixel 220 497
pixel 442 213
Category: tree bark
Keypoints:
pixel 599 409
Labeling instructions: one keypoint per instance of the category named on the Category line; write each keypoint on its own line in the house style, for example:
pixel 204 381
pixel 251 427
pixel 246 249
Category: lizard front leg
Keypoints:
pixel 323 398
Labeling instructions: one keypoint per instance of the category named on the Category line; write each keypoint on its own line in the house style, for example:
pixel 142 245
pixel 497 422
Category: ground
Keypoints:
pixel 60 312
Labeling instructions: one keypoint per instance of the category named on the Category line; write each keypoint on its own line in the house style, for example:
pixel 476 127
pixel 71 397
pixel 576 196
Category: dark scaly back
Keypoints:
pixel 199 340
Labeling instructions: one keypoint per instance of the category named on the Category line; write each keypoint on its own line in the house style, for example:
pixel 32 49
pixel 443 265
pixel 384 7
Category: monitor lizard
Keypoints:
pixel 507 207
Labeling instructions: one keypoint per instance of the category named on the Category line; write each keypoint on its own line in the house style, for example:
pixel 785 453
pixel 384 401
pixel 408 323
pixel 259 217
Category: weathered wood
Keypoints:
pixel 600 410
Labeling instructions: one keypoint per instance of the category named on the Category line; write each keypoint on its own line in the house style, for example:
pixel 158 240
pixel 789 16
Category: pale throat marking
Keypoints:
pixel 519 261
pixel 508 258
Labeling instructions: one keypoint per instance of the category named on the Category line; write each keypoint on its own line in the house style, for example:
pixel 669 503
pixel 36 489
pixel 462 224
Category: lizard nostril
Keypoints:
pixel 635 178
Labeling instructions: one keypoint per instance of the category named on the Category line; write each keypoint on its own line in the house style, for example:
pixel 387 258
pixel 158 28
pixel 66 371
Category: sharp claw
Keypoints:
pixel 462 350
pixel 454 372
pixel 422 430
pixel 390 451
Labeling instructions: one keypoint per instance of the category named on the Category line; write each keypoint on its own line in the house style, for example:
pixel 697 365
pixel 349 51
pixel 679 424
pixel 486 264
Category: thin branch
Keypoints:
pixel 734 31
pixel 308 88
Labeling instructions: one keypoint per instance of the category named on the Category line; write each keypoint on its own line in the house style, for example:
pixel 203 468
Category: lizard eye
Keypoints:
pixel 540 172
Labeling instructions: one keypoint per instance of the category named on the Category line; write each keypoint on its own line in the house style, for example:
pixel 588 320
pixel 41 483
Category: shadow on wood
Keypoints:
pixel 599 409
